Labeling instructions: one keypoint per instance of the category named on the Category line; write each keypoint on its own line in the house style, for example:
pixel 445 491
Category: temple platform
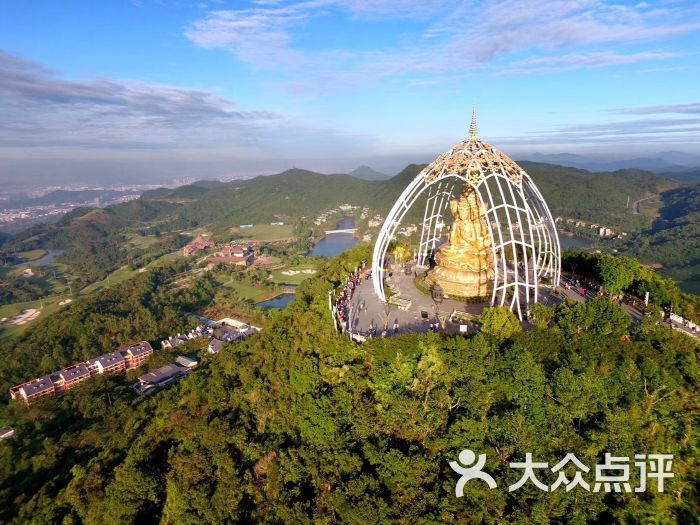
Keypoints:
pixel 415 310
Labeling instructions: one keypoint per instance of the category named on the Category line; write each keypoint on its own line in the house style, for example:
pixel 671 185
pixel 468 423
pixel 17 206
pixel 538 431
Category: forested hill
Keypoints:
pixel 293 193
pixel 95 240
pixel 301 425
pixel 674 238
pixel 595 197
pixel 598 197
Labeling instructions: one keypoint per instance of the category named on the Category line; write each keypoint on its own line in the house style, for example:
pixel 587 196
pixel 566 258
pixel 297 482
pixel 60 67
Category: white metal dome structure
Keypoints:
pixel 525 245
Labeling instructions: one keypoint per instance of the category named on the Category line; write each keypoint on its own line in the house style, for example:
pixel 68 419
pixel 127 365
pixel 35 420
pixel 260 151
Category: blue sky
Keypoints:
pixel 211 89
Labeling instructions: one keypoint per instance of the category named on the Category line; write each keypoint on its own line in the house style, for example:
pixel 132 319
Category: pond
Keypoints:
pixel 574 241
pixel 336 243
pixel 48 258
pixel 277 302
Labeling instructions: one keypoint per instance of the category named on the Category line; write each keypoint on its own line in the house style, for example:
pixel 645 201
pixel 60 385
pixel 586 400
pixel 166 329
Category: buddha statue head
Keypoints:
pixel 468 207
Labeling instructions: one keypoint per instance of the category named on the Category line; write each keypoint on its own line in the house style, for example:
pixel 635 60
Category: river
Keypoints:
pixel 331 245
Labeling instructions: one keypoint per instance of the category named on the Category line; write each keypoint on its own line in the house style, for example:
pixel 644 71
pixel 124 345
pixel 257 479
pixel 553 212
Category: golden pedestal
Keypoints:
pixel 464 265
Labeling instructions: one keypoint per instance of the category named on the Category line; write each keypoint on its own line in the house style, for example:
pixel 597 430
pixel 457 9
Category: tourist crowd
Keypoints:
pixel 343 306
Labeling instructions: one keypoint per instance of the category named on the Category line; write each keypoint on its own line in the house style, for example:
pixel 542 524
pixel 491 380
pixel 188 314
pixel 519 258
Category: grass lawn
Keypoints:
pixel 247 291
pixel 143 242
pixel 280 278
pixel 31 255
pixel 195 232
pixel 266 232
pixel 10 310
pixel 117 276
pixel 167 257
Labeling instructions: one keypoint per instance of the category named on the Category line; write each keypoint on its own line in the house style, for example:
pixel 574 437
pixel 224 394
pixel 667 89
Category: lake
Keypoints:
pixel 567 242
pixel 277 302
pixel 336 243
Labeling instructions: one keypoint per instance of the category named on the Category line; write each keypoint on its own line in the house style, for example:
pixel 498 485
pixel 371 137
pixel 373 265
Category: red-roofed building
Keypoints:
pixel 197 245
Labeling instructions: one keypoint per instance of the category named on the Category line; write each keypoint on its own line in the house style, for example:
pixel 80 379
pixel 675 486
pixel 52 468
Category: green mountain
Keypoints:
pixel 673 241
pixel 595 197
pixel 95 239
pixel 687 176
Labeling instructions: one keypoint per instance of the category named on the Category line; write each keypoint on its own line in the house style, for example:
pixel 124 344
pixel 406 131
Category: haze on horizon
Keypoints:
pixel 151 90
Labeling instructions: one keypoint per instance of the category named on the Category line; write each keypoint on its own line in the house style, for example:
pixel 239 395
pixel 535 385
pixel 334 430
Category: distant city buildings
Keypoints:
pixel 12 218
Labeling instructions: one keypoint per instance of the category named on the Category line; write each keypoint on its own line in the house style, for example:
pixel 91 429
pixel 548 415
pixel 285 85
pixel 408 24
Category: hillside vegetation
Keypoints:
pixel 96 241
pixel 300 425
pixel 674 238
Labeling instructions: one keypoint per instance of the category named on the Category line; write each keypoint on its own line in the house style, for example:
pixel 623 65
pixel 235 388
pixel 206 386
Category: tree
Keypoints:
pixel 617 273
pixel 596 318
pixel 500 322
pixel 541 315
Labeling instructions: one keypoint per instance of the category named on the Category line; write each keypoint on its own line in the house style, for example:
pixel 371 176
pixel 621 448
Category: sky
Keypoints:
pixel 157 89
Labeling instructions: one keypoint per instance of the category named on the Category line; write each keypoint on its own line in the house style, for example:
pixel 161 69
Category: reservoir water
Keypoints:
pixel 336 243
pixel 567 242
pixel 277 302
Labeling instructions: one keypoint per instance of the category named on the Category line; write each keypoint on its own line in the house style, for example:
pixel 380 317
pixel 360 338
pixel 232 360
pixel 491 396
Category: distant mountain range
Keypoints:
pixel 601 197
pixel 570 192
pixel 367 173
pixel 685 165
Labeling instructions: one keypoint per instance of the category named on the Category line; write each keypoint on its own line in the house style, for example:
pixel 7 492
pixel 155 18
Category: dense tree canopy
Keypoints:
pixel 145 307
pixel 301 425
pixel 618 274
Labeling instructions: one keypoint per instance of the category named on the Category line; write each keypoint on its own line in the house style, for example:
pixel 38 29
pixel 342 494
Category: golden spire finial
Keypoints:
pixel 473 128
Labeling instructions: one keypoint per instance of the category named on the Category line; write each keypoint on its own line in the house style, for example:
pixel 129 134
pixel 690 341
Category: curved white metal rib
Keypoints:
pixel 520 225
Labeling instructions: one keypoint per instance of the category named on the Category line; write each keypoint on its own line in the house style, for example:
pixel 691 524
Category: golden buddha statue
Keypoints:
pixel 464 265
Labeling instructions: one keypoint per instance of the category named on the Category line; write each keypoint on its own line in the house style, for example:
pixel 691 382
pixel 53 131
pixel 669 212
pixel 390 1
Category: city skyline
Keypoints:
pixel 159 90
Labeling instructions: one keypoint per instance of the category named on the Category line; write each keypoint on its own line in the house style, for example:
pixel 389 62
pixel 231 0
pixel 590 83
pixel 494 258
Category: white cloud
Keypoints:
pixel 104 127
pixel 557 35
pixel 567 62
pixel 690 107
pixel 39 109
